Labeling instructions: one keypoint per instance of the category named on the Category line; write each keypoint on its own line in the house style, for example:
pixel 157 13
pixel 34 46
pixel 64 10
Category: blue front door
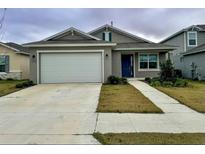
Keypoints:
pixel 127 65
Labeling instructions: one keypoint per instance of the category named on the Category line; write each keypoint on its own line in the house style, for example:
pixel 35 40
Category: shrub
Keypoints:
pixel 113 79
pixel 148 79
pixel 178 73
pixel 123 81
pixel 9 79
pixel 167 84
pixel 24 84
pixel 156 79
pixel 181 83
pixel 167 71
pixel 19 85
pixel 155 83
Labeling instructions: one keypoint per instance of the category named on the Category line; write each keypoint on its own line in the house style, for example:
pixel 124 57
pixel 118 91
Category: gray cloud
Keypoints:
pixel 25 25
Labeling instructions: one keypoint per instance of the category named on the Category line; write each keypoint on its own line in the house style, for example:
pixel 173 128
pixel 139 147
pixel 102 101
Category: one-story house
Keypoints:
pixel 76 56
pixel 14 61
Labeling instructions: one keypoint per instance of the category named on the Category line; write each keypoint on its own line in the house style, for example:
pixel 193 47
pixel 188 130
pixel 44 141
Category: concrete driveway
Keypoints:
pixel 50 114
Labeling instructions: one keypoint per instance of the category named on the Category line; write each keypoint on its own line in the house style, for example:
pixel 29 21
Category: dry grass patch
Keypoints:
pixel 192 96
pixel 124 98
pixel 151 138
pixel 8 86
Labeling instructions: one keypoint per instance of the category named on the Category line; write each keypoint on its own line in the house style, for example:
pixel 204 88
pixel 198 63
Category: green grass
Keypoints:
pixel 8 86
pixel 150 138
pixel 193 96
pixel 124 99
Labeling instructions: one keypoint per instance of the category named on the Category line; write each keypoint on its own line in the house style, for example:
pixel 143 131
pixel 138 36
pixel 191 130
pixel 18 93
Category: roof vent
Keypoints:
pixel 111 23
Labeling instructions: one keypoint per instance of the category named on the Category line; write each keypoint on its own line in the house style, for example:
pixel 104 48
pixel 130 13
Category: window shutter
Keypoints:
pixel 7 64
pixel 103 36
pixel 110 36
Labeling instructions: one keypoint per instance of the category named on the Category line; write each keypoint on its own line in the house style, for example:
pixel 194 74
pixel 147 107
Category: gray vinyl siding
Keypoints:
pixel 107 59
pixel 177 41
pixel 182 43
pixel 198 59
pixel 116 63
pixel 68 36
pixel 200 39
pixel 116 37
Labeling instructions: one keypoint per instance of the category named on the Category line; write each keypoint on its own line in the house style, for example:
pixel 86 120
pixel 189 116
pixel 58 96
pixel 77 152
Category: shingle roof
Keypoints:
pixel 120 31
pixel 71 29
pixel 195 50
pixel 68 43
pixel 16 47
pixel 201 26
pixel 138 46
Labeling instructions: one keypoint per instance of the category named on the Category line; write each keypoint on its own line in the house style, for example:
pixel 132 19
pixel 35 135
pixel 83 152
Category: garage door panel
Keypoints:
pixel 70 67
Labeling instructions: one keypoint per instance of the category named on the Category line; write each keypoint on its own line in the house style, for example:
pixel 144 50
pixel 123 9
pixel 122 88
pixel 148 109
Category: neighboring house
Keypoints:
pixel 194 63
pixel 14 61
pixel 76 56
pixel 188 40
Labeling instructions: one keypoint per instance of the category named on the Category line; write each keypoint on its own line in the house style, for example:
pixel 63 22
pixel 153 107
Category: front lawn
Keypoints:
pixel 192 96
pixel 8 86
pixel 124 99
pixel 150 138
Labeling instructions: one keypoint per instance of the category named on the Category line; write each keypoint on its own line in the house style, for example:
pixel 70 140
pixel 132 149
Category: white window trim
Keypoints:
pixel 148 69
pixel 188 38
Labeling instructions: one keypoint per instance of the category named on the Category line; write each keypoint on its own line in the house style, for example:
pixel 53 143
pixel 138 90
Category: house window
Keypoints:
pixel 192 38
pixel 107 36
pixel 148 61
pixel 2 63
pixel 143 61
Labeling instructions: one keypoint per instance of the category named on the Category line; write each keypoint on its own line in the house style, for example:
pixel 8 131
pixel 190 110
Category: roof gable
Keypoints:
pixel 70 34
pixel 15 47
pixel 119 31
pixel 190 28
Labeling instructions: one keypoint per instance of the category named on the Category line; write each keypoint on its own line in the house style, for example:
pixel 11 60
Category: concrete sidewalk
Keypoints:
pixel 177 118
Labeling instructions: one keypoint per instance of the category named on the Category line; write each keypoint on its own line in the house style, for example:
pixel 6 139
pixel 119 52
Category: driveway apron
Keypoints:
pixel 50 114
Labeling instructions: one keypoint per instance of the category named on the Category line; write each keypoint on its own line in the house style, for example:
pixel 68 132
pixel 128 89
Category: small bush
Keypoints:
pixel 167 84
pixel 19 85
pixel 123 81
pixel 9 79
pixel 155 83
pixel 116 80
pixel 24 84
pixel 113 79
pixel 148 79
pixel 178 73
pixel 181 83
pixel 156 79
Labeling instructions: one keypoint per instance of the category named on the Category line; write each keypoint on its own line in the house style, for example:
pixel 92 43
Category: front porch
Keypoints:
pixel 137 64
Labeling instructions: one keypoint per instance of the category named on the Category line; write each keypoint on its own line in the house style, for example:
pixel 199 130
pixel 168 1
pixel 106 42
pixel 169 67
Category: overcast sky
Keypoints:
pixel 26 25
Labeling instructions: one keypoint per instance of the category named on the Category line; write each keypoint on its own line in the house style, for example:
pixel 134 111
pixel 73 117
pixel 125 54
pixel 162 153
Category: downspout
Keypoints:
pixel 185 41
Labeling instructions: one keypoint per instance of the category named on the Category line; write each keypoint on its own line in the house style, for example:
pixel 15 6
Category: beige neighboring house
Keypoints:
pixel 14 61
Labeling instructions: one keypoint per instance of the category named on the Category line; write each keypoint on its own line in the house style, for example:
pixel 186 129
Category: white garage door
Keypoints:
pixel 70 67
